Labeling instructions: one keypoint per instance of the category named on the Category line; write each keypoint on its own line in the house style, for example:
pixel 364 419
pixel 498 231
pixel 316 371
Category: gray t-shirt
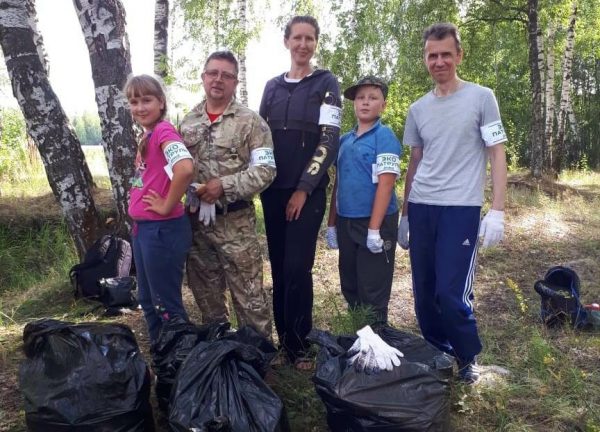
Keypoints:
pixel 454 132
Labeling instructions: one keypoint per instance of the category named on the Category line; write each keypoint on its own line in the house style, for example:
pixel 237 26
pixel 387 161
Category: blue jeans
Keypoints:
pixel 160 249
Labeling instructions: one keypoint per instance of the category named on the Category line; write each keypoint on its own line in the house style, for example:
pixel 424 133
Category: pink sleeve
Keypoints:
pixel 164 131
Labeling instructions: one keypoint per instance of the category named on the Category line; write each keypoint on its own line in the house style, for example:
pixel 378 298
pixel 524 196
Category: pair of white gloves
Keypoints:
pixel 374 240
pixel 207 213
pixel 370 354
pixel 491 229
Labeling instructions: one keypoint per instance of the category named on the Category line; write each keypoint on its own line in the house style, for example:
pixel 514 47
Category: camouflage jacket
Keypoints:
pixel 223 149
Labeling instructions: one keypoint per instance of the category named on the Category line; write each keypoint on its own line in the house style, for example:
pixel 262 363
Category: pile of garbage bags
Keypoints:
pixel 91 377
pixel 411 397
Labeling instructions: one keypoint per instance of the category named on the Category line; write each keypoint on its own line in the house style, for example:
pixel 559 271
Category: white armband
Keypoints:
pixel 385 163
pixel 388 163
pixel 262 156
pixel 493 133
pixel 174 152
pixel 330 115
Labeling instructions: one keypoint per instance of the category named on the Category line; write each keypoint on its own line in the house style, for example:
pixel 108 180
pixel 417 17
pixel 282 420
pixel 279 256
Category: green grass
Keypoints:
pixel 32 255
pixel 34 182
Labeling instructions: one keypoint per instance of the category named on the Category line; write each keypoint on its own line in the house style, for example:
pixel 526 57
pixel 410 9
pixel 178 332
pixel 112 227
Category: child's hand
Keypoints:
pixel 156 203
pixel 374 241
pixel 331 237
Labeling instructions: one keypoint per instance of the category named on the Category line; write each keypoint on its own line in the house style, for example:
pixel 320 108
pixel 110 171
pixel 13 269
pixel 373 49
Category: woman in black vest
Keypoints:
pixel 301 107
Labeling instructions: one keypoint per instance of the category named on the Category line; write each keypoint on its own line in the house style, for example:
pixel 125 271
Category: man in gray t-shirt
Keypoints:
pixel 452 131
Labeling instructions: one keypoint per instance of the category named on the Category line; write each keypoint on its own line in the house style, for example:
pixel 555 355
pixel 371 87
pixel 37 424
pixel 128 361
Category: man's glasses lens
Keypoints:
pixel 225 76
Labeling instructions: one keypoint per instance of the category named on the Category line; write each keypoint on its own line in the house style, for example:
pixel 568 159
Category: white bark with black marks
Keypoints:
pixel 565 95
pixel 161 37
pixel 537 125
pixel 103 26
pixel 47 124
pixel 549 97
pixel 243 82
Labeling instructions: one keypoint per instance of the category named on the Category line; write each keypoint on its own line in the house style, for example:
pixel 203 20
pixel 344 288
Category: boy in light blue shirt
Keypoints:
pixel 363 214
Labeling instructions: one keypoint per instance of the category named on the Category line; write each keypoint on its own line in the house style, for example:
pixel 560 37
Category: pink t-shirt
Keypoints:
pixel 150 174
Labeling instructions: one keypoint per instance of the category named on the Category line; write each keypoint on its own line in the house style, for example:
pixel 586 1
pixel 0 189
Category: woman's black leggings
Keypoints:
pixel 292 248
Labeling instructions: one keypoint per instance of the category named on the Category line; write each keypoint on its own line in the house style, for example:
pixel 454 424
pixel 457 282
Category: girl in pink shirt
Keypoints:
pixel 162 233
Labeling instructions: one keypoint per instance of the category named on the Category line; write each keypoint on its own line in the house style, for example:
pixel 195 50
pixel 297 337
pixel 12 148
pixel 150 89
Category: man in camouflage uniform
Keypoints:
pixel 233 161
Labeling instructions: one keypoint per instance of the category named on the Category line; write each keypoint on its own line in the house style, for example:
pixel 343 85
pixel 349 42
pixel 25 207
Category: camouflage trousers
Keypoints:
pixel 227 255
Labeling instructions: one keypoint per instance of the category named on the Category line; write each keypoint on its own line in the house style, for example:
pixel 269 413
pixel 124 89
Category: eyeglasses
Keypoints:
pixel 225 76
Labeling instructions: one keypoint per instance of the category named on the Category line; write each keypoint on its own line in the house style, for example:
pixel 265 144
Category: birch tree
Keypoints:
pixel 222 24
pixel 565 95
pixel 103 25
pixel 536 131
pixel 46 122
pixel 242 24
pixel 161 37
pixel 549 97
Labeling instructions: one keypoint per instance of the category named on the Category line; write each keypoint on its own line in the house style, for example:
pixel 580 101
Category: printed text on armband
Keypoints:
pixel 176 151
pixel 493 133
pixel 262 156
pixel 330 115
pixel 388 163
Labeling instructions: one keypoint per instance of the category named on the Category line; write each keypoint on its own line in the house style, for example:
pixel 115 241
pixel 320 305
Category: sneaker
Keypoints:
pixel 469 372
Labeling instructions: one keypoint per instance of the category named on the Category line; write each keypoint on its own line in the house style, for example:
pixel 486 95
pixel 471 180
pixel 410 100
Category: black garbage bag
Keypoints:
pixel 411 398
pixel 219 388
pixel 177 338
pixel 84 378
pixel 248 335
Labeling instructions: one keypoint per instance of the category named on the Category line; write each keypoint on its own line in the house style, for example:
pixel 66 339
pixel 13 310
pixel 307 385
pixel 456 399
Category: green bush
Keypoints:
pixel 13 145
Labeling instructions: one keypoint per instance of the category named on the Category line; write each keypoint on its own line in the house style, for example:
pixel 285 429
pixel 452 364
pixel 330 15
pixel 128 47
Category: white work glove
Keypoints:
pixel 403 233
pixel 207 213
pixel 374 241
pixel 191 198
pixel 492 228
pixel 370 353
pixel 331 236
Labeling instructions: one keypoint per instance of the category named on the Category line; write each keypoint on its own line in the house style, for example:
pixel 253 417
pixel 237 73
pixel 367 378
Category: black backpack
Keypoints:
pixel 560 302
pixel 110 256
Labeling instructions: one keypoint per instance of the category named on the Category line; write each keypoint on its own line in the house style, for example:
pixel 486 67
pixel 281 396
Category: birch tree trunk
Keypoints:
pixel 217 28
pixel 541 64
pixel 47 124
pixel 565 94
pixel 103 26
pixel 549 98
pixel 37 37
pixel 161 37
pixel 243 82
pixel 537 126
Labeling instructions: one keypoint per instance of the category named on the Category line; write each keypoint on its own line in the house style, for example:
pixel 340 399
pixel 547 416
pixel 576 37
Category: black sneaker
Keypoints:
pixel 468 373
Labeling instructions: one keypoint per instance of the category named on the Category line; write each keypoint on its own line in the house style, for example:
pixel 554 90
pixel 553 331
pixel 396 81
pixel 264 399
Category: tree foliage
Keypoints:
pixel 87 128
pixel 384 38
